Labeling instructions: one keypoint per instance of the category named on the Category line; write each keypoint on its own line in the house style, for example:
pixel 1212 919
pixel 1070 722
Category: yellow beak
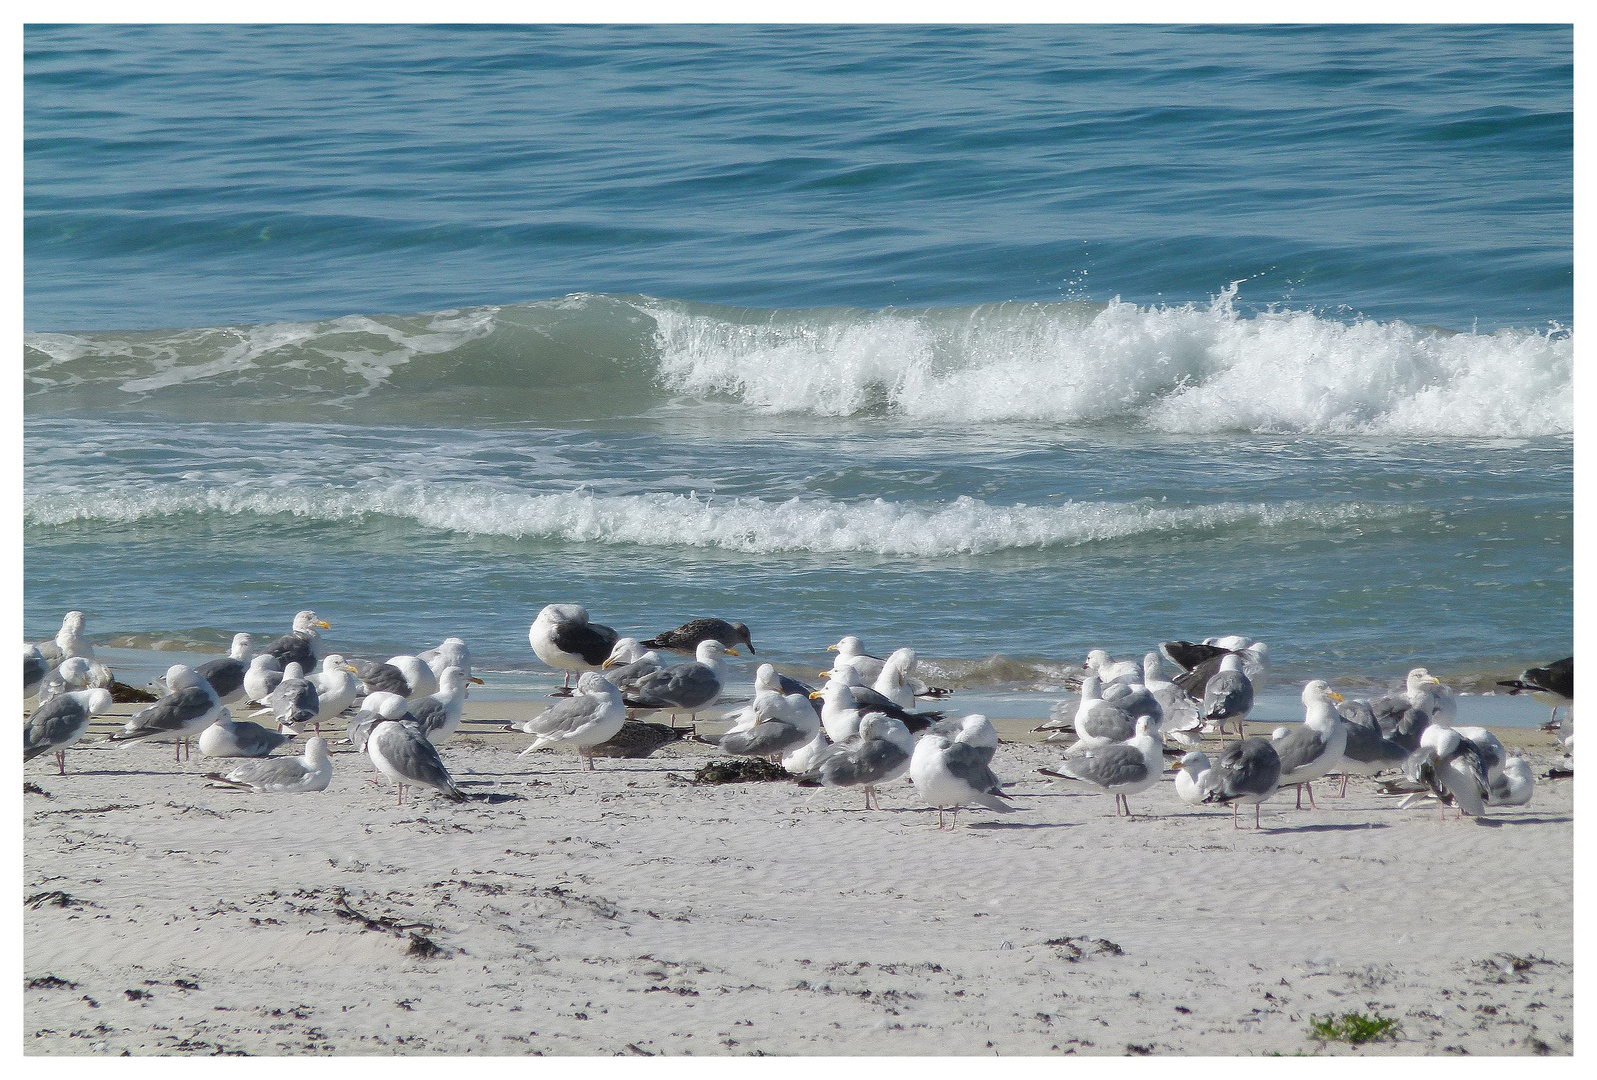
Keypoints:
pixel 473 678
pixel 831 648
pixel 816 694
pixel 324 624
pixel 606 665
pixel 733 652
pixel 1334 696
pixel 349 668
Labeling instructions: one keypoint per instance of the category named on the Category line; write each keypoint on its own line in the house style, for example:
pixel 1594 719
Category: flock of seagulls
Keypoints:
pixel 864 727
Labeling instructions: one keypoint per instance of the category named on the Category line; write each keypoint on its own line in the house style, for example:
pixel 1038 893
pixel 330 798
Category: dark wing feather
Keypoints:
pixel 591 641
pixel 225 675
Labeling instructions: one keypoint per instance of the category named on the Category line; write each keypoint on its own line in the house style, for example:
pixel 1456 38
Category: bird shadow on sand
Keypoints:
pixel 1350 827
pixel 989 826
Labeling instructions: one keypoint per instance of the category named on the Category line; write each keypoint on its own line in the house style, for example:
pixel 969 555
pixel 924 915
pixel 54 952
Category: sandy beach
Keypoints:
pixel 627 911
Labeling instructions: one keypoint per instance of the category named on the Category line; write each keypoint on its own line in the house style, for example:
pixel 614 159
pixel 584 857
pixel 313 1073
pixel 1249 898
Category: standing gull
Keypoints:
pixel 451 652
pixel 949 774
pixel 1179 708
pixel 404 755
pixel 880 752
pixel 226 674
pixel 690 635
pixel 285 775
pixel 1453 768
pixel 1227 695
pixel 563 638
pixel 592 715
pixel 1250 771
pixel 187 708
pixel 1314 747
pixel 68 641
pixel 301 645
pixel 1514 785
pixel 974 731
pixel 227 737
pixel 1194 680
pixel 34 669
pixel 438 715
pixel 684 687
pixel 1367 751
pixel 771 725
pixel 1119 769
pixel 295 700
pixel 261 678
pixel 1110 671
pixel 60 722
pixel 336 687
pixel 628 662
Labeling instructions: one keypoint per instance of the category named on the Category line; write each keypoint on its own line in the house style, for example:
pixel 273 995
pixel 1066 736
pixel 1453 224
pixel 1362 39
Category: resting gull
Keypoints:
pixel 1250 771
pixel 974 731
pixel 1195 680
pixel 301 645
pixel 563 638
pixel 592 715
pixel 187 708
pixel 880 752
pixel 948 774
pixel 282 775
pixel 1514 786
pixel 404 755
pixel 60 722
pixel 891 680
pixel 850 650
pixel 262 677
pixel 690 635
pixel 68 641
pixel 1179 708
pixel 638 739
pixel 808 757
pixel 1314 747
pixel 34 669
pixel 771 725
pixel 451 652
pixel 1195 778
pixel 1119 769
pixel 1110 671
pixel 628 662
pixel 226 674
pixel 336 688
pixel 1453 769
pixel 227 737
pixel 843 705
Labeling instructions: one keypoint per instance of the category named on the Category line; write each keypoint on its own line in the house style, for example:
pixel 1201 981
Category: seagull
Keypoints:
pixel 451 652
pixel 227 737
pixel 683 687
pixel 1109 671
pixel 880 752
pixel 295 700
pixel 1556 680
pixel 890 681
pixel 1423 692
pixel 771 725
pixel 843 705
pixel 1313 748
pixel 1227 694
pixel 563 638
pixel 60 722
pixel 226 674
pixel 1180 709
pixel 690 635
pixel 1514 785
pixel 75 673
pixel 1453 769
pixel 1119 769
pixel 1368 751
pixel 336 688
pixel 438 715
pixel 851 651
pixel 418 674
pixel 286 775
pixel 637 739
pixel 1250 771
pixel 1195 778
pixel 1100 722
pixel 808 757
pixel 302 645
pixel 408 678
pixel 68 642
pixel 974 731
pixel 404 755
pixel 34 669
pixel 949 774
pixel 262 677
pixel 592 715
pixel 628 662
pixel 187 708
pixel 1201 662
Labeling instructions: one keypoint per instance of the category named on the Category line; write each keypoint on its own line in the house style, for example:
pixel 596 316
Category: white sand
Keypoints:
pixel 625 911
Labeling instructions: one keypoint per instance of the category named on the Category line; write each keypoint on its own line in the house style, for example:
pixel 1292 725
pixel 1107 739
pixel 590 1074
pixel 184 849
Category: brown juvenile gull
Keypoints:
pixel 690 635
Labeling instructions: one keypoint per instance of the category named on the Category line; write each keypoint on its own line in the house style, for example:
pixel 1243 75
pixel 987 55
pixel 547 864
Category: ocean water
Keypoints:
pixel 1001 342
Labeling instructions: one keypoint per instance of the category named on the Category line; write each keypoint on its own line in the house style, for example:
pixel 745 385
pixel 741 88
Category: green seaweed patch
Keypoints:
pixel 1354 1028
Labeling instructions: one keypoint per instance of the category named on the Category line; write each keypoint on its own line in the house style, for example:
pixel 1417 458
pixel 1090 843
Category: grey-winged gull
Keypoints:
pixel 282 775
pixel 948 774
pixel 227 737
pixel 879 752
pixel 1119 769
pixel 592 715
pixel 373 711
pixel 1313 748
pixel 438 715
pixel 34 669
pixel 850 650
pixel 1227 694
pixel 690 635
pixel 1250 772
pixel 1453 768
pixel 974 731
pixel 628 662
pixel 68 641
pixel 1179 708
pixel 295 700
pixel 1195 778
pixel 843 703
pixel 187 708
pixel 1514 786
pixel 336 688
pixel 1367 751
pixel 683 687
pixel 771 725
pixel 1110 671
pixel 562 637
pixel 302 645
pixel 262 677
pixel 404 755
pixel 226 674
pixel 60 722
pixel 450 652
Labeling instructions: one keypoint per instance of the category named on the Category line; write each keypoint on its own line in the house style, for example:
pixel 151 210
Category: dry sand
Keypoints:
pixel 625 911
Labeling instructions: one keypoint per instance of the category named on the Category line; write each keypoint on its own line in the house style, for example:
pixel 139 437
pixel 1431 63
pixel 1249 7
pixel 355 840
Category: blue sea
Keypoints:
pixel 1001 342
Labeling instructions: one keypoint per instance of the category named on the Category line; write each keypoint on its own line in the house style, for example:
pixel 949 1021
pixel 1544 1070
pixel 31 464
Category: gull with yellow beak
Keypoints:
pixel 302 645
pixel 1315 747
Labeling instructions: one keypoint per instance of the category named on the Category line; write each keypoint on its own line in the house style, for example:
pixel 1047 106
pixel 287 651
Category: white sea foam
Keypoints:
pixel 963 526
pixel 1186 369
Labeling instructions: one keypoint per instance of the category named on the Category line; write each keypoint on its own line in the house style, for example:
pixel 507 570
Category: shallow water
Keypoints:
pixel 998 342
